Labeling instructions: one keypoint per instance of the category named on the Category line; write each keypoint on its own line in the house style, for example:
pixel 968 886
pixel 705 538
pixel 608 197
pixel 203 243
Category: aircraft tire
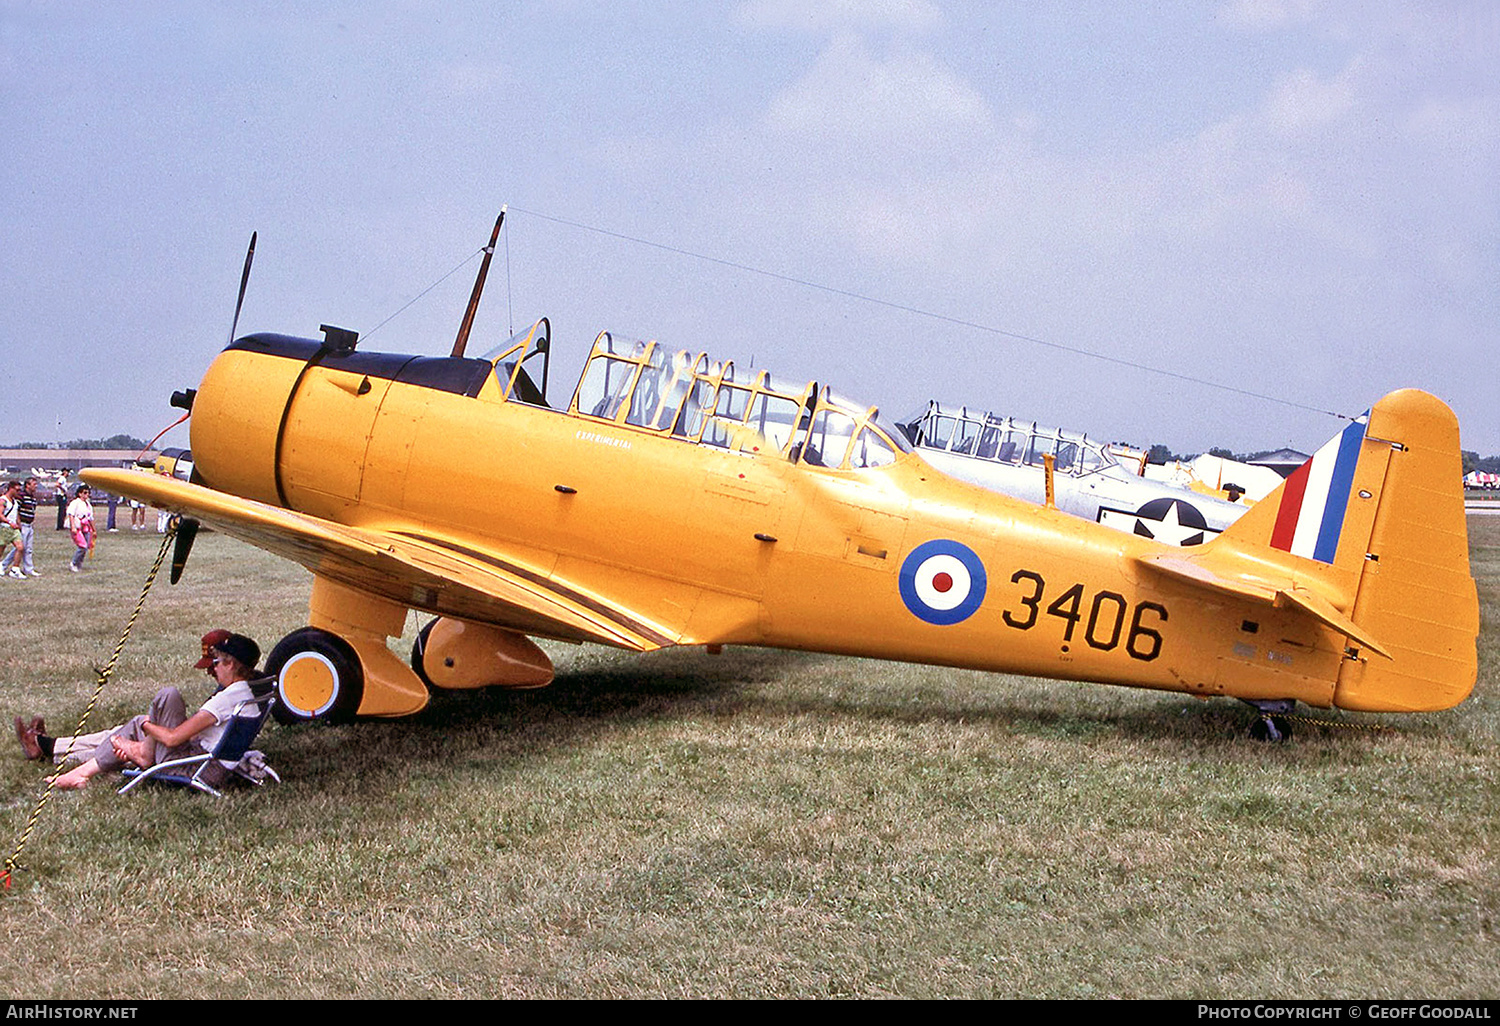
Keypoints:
pixel 417 648
pixel 318 678
pixel 1274 729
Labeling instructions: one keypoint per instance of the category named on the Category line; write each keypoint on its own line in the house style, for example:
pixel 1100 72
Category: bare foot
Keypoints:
pixel 139 753
pixel 73 780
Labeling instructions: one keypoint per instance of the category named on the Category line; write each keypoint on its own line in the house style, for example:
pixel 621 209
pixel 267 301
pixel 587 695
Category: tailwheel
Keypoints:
pixel 1274 724
pixel 1272 729
pixel 318 677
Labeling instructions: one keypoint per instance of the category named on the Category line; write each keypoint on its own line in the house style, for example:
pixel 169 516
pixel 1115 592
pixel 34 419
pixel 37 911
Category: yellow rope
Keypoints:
pixel 1379 728
pixel 13 862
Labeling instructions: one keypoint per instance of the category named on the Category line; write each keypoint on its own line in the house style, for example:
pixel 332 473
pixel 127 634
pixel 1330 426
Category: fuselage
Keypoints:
pixel 729 544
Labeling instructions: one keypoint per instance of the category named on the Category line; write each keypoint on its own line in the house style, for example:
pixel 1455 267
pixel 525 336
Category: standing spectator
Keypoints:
pixel 163 517
pixel 137 514
pixel 62 500
pixel 27 518
pixel 112 500
pixel 10 528
pixel 81 523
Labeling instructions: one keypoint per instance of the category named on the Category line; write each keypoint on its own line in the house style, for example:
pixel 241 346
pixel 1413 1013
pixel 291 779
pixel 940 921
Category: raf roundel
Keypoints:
pixel 942 582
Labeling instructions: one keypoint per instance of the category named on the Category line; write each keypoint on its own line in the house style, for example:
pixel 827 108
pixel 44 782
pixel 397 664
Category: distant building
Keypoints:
pixel 19 462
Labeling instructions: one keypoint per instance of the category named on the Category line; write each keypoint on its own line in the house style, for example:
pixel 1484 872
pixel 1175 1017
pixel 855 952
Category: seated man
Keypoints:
pixel 166 731
pixel 36 743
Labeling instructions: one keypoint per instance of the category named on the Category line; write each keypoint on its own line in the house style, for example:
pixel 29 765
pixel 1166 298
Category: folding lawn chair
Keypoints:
pixel 236 740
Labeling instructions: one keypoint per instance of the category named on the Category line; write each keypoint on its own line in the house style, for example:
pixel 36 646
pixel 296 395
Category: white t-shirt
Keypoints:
pixel 221 707
pixel 80 510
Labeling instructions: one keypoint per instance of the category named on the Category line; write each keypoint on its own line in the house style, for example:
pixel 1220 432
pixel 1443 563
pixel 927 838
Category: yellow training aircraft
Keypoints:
pixel 675 500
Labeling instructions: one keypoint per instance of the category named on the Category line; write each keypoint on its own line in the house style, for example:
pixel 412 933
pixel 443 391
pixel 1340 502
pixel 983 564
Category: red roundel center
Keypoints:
pixel 941 582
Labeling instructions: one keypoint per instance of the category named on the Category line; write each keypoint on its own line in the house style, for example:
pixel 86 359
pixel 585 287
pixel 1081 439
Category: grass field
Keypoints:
pixel 749 824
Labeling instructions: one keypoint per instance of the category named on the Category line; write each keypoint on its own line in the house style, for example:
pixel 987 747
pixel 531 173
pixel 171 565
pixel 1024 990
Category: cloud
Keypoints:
pixel 904 102
pixel 880 159
pixel 1302 101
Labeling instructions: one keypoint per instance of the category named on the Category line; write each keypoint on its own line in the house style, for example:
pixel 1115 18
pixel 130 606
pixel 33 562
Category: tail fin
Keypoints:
pixel 1374 522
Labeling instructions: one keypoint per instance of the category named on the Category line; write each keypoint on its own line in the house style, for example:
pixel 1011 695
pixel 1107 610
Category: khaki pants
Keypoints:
pixel 167 710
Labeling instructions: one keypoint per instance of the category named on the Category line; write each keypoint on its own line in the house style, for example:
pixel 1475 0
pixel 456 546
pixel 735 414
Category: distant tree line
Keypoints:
pixel 1161 454
pixel 1473 461
pixel 112 442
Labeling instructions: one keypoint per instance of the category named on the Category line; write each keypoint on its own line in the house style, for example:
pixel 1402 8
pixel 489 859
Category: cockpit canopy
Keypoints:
pixel 986 436
pixel 691 397
pixel 510 359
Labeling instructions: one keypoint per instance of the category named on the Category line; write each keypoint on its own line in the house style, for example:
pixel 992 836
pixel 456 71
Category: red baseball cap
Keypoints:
pixel 210 640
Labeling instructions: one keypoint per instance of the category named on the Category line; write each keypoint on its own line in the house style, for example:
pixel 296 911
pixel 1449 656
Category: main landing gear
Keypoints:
pixel 340 667
pixel 1273 724
pixel 318 677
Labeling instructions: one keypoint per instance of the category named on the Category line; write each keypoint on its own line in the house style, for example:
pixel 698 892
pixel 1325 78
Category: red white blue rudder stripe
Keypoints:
pixel 1310 518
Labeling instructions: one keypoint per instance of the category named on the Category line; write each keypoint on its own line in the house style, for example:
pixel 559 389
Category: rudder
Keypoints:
pixel 1374 522
pixel 1416 592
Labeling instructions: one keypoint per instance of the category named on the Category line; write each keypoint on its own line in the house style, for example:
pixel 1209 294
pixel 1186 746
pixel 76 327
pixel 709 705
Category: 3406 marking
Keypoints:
pixel 1105 620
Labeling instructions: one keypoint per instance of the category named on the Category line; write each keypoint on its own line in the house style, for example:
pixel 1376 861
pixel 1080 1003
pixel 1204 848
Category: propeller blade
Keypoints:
pixel 187 530
pixel 244 280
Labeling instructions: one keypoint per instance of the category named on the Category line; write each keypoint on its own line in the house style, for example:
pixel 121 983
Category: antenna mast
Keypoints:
pixel 484 268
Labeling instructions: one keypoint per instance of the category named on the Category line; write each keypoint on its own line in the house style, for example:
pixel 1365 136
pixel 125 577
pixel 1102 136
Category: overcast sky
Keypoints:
pixel 1291 197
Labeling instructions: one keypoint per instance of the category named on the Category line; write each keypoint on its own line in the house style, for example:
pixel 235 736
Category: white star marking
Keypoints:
pixel 1170 530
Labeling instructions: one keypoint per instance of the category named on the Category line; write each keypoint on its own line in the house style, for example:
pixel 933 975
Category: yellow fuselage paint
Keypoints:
pixel 738 547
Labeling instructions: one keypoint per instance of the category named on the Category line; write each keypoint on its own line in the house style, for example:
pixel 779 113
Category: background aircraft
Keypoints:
pixel 1089 480
pixel 1217 476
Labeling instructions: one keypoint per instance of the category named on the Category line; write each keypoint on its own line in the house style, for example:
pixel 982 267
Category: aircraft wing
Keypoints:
pixel 423 572
pixel 1278 593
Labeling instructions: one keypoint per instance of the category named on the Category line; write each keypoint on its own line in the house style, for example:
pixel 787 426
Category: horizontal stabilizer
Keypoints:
pixel 1277 594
